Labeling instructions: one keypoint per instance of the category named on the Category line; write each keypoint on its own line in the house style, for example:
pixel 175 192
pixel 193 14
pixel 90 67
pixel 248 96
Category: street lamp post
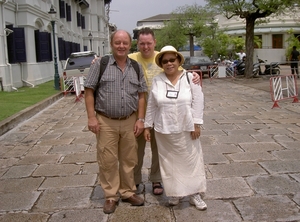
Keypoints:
pixel 103 44
pixel 52 12
pixel 90 37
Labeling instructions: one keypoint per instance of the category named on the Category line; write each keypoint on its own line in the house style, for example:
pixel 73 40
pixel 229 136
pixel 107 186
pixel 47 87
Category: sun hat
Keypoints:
pixel 167 49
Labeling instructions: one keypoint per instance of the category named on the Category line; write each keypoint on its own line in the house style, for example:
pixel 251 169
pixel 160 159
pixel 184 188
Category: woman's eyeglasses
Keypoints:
pixel 165 61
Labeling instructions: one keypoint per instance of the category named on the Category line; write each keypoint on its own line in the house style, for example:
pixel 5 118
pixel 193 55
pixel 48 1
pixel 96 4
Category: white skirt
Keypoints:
pixel 181 164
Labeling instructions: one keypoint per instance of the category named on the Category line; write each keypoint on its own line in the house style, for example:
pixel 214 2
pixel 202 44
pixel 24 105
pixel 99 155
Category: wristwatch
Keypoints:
pixel 142 120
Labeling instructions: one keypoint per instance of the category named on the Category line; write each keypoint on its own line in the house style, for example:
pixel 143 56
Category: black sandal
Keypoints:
pixel 155 186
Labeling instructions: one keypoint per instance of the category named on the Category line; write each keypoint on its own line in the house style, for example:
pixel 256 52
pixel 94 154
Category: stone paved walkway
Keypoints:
pixel 48 168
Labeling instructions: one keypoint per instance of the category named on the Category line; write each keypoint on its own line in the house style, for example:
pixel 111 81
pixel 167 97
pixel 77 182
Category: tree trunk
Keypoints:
pixel 250 21
pixel 191 44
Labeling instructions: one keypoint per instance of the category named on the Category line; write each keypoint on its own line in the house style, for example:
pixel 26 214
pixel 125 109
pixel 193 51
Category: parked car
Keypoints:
pixel 77 65
pixel 198 63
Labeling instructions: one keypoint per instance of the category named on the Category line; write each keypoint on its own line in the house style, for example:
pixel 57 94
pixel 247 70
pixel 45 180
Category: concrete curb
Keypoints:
pixel 14 120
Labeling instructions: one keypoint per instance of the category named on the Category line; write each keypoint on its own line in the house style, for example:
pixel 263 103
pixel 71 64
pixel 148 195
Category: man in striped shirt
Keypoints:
pixel 111 108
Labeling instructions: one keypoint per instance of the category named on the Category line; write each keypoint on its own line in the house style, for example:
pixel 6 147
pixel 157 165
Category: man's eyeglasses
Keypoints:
pixel 165 61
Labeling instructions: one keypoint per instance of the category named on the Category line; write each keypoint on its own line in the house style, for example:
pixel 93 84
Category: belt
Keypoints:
pixel 114 118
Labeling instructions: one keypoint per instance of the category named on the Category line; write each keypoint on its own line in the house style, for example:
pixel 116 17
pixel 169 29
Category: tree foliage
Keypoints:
pixel 133 46
pixel 215 44
pixel 171 34
pixel 292 40
pixel 186 22
pixel 251 11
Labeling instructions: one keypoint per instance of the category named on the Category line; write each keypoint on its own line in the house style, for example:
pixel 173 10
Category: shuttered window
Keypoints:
pixel 43 47
pixel 62 9
pixel 82 22
pixel 16 45
pixel 68 10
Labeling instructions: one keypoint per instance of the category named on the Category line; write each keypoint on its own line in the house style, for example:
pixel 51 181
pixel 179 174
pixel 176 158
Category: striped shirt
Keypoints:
pixel 117 94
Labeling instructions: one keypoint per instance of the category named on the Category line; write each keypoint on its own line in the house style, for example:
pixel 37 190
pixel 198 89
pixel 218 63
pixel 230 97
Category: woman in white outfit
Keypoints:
pixel 175 110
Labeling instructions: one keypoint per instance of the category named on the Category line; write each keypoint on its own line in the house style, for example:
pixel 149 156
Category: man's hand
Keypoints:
pixel 138 128
pixel 196 78
pixel 93 124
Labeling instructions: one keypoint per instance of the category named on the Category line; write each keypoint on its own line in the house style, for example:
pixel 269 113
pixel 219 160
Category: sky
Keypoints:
pixel 125 13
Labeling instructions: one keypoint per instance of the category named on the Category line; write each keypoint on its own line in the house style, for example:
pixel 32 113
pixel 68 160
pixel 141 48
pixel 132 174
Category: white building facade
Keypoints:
pixel 273 34
pixel 26 37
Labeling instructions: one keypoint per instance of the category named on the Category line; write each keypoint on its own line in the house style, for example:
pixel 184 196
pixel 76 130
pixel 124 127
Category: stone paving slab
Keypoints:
pixel 20 185
pixel 21 217
pixel 236 170
pixel 251 156
pixel 273 185
pixel 227 188
pixel 57 170
pixel 65 198
pixel 18 201
pixel 89 157
pixel 20 171
pixel 69 181
pixel 267 208
pixel 287 154
pixel 217 210
pixel 91 215
pixel 291 166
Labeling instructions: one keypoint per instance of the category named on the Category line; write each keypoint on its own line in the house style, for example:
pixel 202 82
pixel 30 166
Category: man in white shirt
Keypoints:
pixel 241 55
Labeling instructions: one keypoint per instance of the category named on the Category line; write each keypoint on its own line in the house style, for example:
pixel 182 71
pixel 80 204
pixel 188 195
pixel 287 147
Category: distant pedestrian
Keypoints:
pixel 111 108
pixel 294 58
pixel 241 55
pixel 175 112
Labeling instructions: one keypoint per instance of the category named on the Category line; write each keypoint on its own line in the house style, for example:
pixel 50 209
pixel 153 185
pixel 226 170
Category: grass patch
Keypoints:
pixel 13 102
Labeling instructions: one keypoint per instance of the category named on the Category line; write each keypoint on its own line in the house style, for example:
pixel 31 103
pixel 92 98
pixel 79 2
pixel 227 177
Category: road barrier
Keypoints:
pixel 78 90
pixel 221 71
pixel 68 83
pixel 283 87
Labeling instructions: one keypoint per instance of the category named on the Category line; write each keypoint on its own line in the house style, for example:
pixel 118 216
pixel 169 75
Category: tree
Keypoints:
pixel 186 22
pixel 215 44
pixel 292 40
pixel 133 46
pixel 252 11
pixel 170 34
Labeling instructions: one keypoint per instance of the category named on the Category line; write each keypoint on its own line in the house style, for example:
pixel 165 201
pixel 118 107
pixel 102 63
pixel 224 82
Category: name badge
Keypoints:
pixel 172 94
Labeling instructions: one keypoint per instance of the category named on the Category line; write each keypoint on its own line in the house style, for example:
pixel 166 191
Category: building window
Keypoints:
pixel 277 41
pixel 78 19
pixel 43 47
pixel 68 10
pixel 62 9
pixel 16 47
pixel 61 49
pixel 82 22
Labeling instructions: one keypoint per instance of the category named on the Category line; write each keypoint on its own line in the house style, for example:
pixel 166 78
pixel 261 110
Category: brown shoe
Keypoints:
pixel 135 200
pixel 109 206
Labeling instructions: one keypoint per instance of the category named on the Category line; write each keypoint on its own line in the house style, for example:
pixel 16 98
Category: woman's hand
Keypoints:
pixel 196 134
pixel 147 134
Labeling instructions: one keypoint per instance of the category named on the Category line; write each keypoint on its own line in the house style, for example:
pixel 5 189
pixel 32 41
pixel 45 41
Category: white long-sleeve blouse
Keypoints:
pixel 174 115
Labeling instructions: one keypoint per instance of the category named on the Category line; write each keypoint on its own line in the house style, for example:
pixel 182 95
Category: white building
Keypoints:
pixel 26 37
pixel 272 34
